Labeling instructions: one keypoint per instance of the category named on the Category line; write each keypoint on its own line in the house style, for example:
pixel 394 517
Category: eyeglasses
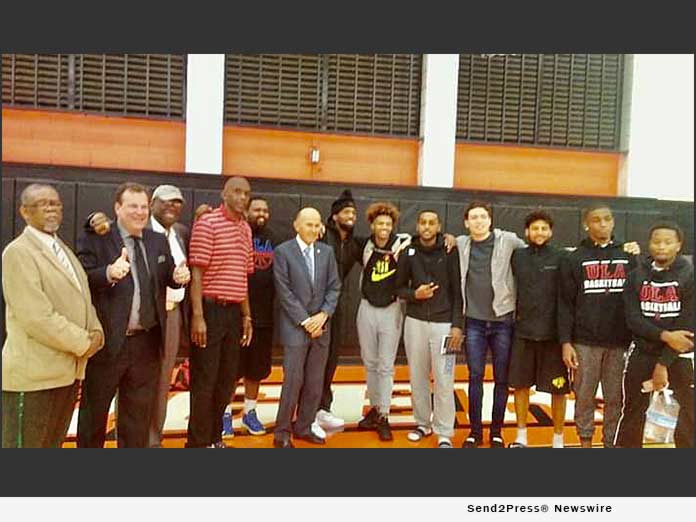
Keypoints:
pixel 43 204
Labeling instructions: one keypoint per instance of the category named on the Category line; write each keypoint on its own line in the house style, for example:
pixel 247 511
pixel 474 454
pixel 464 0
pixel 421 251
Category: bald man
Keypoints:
pixel 221 256
pixel 307 286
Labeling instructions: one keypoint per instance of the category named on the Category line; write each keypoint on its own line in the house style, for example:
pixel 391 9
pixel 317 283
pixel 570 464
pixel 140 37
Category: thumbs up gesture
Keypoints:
pixel 120 267
pixel 182 275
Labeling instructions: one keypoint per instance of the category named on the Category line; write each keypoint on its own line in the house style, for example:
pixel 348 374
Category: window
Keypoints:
pixel 558 100
pixel 371 94
pixel 124 84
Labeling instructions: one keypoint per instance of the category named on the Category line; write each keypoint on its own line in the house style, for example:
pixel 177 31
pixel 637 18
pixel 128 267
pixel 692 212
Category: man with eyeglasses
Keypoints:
pixel 52 327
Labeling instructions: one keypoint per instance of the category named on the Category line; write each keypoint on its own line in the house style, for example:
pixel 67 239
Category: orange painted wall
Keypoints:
pixel 526 169
pixel 86 140
pixel 274 153
pixel 61 138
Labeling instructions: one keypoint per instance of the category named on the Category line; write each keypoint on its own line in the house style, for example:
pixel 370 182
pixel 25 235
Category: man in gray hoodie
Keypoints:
pixel 488 298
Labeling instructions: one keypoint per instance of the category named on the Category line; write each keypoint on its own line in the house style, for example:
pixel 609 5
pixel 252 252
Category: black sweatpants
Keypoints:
pixel 331 364
pixel 635 403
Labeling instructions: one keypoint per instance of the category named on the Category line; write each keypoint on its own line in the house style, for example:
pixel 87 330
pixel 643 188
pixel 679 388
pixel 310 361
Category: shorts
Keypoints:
pixel 255 359
pixel 538 363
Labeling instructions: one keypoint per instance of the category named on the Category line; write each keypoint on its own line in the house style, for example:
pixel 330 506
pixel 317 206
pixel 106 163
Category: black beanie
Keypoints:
pixel 343 201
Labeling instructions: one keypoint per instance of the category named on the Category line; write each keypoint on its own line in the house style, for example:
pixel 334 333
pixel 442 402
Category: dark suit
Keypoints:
pixel 304 359
pixel 129 364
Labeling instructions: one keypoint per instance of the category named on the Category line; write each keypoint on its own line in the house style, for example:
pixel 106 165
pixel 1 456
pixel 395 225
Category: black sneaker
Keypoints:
pixel 471 442
pixel 383 428
pixel 369 422
pixel 497 442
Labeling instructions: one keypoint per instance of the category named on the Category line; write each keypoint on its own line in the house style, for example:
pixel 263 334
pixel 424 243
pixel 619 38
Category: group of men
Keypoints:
pixel 115 316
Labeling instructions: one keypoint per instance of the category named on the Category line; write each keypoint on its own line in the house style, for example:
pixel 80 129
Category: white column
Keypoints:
pixel 661 139
pixel 438 120
pixel 205 98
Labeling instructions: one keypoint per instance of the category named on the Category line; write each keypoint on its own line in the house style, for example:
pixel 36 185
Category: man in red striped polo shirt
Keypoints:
pixel 221 257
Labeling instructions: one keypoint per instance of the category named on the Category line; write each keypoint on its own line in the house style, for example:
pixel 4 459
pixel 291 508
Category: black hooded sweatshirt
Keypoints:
pixel 420 265
pixel 590 308
pixel 347 252
pixel 536 270
pixel 658 300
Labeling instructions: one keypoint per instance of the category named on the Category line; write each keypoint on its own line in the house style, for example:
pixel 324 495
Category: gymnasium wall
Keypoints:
pixel 87 189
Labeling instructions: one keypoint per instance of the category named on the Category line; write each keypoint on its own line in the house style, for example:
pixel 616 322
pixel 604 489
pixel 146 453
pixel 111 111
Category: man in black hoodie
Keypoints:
pixel 536 354
pixel 348 250
pixel 380 315
pixel 659 302
pixel 591 324
pixel 428 278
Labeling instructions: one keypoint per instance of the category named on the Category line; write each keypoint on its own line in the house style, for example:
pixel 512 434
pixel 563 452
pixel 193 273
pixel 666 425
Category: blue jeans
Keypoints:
pixel 479 336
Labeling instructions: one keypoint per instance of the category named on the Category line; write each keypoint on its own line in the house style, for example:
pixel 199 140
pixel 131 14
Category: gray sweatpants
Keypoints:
pixel 422 341
pixel 379 331
pixel 598 364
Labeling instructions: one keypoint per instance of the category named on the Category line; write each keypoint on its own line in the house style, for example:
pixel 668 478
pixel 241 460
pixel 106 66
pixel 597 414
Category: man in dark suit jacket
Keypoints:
pixel 165 209
pixel 129 270
pixel 307 285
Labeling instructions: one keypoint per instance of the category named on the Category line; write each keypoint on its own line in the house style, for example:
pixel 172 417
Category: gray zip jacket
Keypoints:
pixel 504 290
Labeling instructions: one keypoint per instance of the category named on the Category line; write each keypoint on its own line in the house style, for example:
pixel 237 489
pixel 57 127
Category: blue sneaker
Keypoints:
pixel 252 423
pixel 227 430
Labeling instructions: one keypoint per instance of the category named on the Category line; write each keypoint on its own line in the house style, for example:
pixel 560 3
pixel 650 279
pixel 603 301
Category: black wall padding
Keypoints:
pixel 85 189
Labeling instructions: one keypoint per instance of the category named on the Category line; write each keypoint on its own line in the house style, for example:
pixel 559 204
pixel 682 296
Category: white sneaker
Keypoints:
pixel 328 420
pixel 317 430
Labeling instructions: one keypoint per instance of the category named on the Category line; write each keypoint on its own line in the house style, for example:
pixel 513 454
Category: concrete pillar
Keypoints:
pixel 660 161
pixel 438 120
pixel 205 100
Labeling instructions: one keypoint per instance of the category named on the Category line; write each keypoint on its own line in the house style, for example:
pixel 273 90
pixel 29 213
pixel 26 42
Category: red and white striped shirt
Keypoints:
pixel 221 245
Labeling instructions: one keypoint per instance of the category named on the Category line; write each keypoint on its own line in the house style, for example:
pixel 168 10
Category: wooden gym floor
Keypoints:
pixel 351 404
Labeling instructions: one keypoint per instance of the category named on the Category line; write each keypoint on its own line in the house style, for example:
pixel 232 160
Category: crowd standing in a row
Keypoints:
pixel 113 317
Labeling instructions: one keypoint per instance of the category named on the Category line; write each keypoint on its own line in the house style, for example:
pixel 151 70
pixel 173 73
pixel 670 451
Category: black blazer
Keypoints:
pixel 113 302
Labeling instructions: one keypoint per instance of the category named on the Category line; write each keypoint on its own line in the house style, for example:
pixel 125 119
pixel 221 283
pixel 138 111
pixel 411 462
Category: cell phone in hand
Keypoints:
pixel 444 347
pixel 647 386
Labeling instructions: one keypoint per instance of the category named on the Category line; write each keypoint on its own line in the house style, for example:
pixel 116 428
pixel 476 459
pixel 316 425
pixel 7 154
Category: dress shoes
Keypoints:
pixel 282 443
pixel 311 438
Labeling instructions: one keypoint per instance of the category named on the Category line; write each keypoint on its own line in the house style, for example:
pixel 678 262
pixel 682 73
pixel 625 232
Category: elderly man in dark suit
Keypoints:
pixel 307 285
pixel 129 270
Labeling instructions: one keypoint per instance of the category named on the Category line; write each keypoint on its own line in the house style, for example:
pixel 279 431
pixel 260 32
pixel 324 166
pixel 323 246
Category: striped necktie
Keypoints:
pixel 63 260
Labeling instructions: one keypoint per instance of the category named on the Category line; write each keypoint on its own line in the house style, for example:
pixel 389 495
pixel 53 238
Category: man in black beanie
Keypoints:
pixel 348 251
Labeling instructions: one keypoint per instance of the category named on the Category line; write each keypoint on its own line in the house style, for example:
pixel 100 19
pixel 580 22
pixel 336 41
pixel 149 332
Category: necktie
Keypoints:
pixel 309 261
pixel 147 296
pixel 63 260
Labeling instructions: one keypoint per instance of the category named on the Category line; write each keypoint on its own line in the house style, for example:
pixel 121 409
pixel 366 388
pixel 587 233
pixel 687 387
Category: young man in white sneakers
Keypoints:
pixel 537 359
pixel 347 249
pixel 428 279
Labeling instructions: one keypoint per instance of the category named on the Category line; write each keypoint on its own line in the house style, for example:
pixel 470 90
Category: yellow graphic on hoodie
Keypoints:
pixel 381 271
